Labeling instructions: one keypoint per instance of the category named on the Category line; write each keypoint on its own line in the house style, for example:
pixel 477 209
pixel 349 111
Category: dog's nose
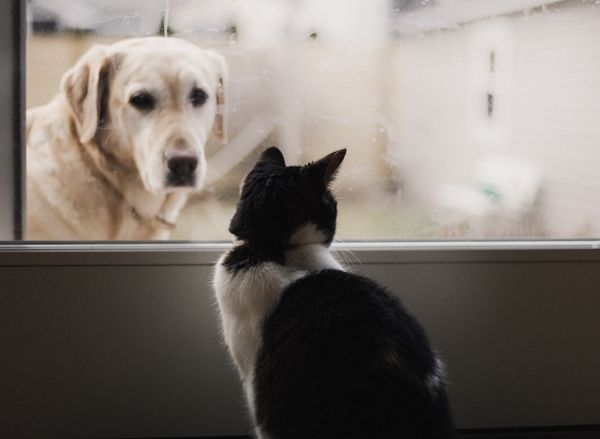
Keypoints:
pixel 182 165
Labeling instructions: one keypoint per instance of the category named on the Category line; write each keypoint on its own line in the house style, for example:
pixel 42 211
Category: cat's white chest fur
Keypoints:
pixel 246 296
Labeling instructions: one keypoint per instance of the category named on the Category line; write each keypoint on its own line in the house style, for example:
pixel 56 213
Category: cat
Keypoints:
pixel 322 353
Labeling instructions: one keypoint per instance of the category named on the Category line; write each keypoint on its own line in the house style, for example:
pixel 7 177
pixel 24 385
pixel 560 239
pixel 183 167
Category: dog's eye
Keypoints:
pixel 142 101
pixel 198 97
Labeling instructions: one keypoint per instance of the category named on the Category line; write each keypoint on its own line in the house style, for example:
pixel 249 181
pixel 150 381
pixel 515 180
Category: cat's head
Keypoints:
pixel 282 206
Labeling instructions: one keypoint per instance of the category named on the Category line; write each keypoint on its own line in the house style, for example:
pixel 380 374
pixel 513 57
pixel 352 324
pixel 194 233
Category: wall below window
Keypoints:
pixel 126 343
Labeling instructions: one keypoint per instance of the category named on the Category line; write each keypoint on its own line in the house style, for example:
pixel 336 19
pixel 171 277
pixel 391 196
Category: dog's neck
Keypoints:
pixel 166 215
pixel 158 212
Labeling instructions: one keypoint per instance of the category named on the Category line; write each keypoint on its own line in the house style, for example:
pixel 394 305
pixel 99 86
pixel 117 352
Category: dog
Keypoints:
pixel 116 154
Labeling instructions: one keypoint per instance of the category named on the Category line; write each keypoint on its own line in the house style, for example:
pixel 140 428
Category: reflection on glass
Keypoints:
pixel 461 122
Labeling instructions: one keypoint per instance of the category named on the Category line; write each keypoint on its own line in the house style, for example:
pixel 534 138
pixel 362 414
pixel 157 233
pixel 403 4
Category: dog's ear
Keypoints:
pixel 219 129
pixel 84 86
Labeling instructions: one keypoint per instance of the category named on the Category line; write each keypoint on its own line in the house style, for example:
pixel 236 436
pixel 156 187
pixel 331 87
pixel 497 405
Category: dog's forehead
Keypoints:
pixel 157 59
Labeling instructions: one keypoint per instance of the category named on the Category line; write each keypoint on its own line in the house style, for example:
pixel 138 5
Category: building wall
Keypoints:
pixel 547 103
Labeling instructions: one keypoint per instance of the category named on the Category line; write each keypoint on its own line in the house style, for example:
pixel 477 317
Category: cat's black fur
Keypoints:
pixel 340 358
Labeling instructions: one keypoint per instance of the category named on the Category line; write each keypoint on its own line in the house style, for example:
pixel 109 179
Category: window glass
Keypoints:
pixel 462 121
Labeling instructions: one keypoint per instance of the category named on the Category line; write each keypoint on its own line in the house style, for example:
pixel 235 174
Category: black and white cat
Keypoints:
pixel 322 353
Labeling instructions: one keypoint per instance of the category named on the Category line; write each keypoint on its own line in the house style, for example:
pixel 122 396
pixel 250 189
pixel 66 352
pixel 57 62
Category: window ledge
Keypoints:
pixel 352 253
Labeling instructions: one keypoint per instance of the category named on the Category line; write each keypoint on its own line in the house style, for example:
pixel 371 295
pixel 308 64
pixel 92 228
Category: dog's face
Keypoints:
pixel 157 101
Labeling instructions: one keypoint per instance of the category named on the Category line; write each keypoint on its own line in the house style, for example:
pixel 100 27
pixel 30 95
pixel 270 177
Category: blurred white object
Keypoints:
pixel 509 184
pixel 132 18
pixel 501 187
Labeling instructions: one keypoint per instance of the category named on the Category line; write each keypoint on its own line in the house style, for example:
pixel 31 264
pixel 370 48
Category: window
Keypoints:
pixel 461 122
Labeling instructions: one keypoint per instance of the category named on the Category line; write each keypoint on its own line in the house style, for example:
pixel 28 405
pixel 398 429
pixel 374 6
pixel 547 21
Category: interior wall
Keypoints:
pixel 131 348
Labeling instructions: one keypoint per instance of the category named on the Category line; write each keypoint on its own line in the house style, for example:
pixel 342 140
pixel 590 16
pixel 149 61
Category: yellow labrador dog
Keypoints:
pixel 117 152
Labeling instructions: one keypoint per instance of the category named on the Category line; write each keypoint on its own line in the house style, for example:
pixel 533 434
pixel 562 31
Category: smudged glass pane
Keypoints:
pixel 462 120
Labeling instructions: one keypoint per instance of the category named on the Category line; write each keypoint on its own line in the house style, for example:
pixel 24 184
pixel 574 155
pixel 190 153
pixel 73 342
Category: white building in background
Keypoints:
pixel 541 68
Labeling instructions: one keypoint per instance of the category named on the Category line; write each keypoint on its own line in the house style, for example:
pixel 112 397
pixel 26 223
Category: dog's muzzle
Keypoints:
pixel 182 169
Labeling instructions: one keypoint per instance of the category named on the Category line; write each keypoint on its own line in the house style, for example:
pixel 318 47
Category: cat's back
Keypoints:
pixel 342 357
pixel 344 290
pixel 352 312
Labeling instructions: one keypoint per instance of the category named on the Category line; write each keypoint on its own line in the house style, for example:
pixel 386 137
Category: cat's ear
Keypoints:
pixel 326 168
pixel 272 156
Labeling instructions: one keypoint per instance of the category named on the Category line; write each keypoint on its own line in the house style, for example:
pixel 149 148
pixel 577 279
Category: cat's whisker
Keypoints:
pixel 347 256
pixel 343 260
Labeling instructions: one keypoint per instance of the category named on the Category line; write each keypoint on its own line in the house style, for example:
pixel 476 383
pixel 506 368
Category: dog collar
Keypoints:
pixel 158 221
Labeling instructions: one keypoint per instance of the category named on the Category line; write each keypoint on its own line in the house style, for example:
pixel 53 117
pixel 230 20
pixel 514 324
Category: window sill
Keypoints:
pixel 354 253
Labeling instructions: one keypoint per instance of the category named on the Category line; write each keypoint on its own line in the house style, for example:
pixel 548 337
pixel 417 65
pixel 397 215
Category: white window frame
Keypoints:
pixel 384 260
